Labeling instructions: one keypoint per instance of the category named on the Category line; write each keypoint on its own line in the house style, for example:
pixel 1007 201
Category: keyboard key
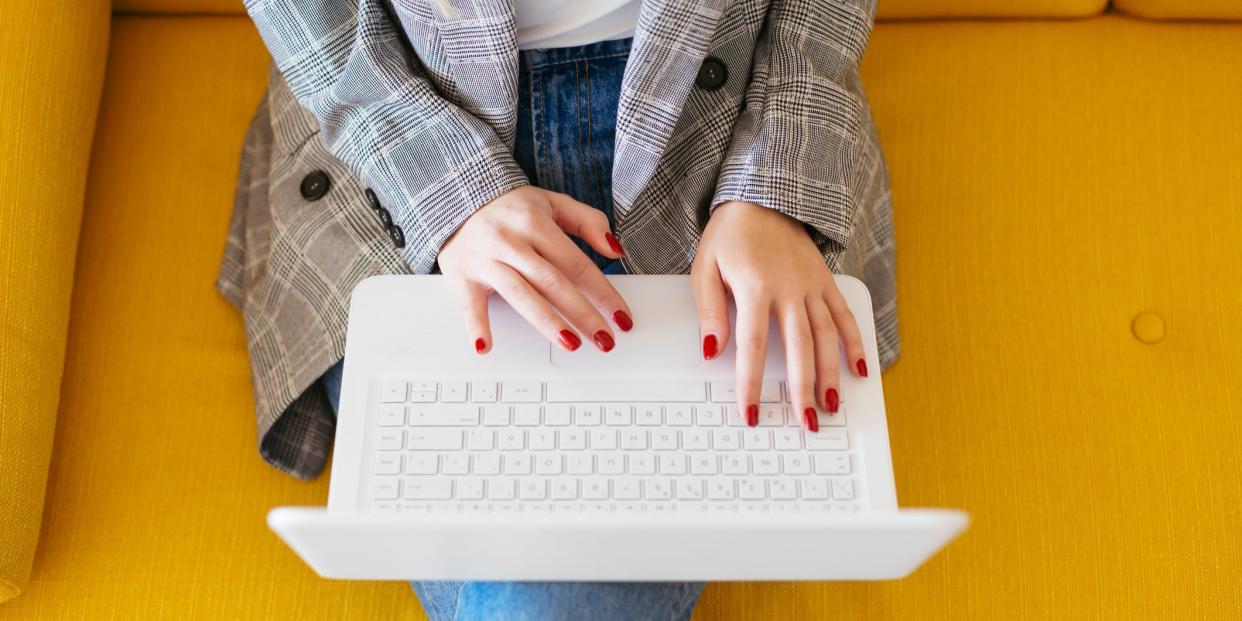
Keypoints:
pixel 533 489
pixel 444 415
pixel 654 391
pixel 422 463
pixel 735 463
pixel 648 415
pixel 719 488
pixel 603 439
pixel 557 414
pixel 517 463
pixel 770 392
pixel 499 488
pixel 480 439
pixel 751 488
pixel 526 415
pixel 734 417
pixel 766 463
pixel 487 463
pixel 392 392
pixel 724 392
pixel 689 489
pixel 453 392
pixel 469 489
pixel 657 489
pixel 522 392
pixel 842 489
pixel 483 392
pixel 618 415
pixel 827 440
pixel 392 415
pixel 496 415
pixel 511 439
pixel 422 439
pixel 385 488
pixel 385 508
pixel 427 489
pixel 571 439
pixel 832 420
pixel 796 464
pixel 387 463
pixel 664 440
pixel 581 463
pixel 642 463
pixel 542 439
pixel 422 386
pixel 422 396
pixel 611 463
pixel 703 464
pixel 456 463
pixel 679 415
pixel 771 416
pixel 588 415
pixel 389 439
pixel 595 488
pixel 783 489
pixel 695 439
pixel 626 489
pixel 814 489
pixel 710 415
pixel 726 439
pixel 788 439
pixel 832 463
pixel 565 489
pixel 548 464
pixel 757 439
pixel 672 463
pixel 634 439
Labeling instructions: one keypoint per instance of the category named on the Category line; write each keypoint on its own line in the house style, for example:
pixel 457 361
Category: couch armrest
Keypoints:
pixel 54 54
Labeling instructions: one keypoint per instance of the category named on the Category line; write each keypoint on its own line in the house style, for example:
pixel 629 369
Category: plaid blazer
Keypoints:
pixel 386 125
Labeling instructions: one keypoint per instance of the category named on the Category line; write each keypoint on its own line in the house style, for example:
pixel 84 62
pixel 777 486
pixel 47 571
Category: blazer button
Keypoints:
pixel 373 200
pixel 397 236
pixel 385 218
pixel 712 74
pixel 315 184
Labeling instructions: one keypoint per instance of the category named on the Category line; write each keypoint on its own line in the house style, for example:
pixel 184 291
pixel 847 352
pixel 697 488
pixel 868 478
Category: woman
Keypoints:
pixel 727 138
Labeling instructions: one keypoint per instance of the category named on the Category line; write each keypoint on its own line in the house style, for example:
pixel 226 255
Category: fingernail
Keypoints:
pixel 832 400
pixel 569 340
pixel 862 367
pixel 752 415
pixel 479 345
pixel 812 421
pixel 614 243
pixel 604 340
pixel 709 347
pixel 623 320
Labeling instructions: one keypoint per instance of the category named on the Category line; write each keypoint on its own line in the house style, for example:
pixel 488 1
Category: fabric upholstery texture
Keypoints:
pixel 49 91
pixel 1181 9
pixel 1067 207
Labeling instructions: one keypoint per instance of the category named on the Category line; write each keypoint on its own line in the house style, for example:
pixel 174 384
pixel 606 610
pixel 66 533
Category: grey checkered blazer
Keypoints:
pixel 418 105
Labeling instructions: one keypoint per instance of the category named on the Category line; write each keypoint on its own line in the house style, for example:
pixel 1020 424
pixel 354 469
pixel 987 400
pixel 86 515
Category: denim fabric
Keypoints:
pixel 567 105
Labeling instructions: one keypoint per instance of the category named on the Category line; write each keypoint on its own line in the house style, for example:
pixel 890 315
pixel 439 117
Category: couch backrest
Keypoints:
pixel 1181 9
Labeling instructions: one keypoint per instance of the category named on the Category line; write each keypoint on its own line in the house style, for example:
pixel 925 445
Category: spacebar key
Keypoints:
pixel 640 390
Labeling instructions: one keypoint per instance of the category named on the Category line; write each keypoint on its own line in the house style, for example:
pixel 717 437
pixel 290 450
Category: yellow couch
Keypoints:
pixel 1068 192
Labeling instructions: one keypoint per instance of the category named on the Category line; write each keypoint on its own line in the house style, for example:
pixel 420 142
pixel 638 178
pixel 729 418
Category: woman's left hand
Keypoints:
pixel 768 262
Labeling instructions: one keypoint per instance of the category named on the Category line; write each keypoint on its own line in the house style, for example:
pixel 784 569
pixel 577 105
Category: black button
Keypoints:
pixel 373 199
pixel 315 184
pixel 397 236
pixel 385 217
pixel 712 74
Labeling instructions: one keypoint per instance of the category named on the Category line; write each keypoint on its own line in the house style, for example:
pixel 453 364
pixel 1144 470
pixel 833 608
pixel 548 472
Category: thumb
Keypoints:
pixel 586 223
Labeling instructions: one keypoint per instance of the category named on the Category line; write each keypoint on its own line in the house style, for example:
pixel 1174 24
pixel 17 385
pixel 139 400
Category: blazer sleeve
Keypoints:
pixel 799 138
pixel 431 163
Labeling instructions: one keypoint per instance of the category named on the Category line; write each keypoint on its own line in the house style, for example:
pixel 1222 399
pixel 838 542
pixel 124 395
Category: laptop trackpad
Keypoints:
pixel 665 336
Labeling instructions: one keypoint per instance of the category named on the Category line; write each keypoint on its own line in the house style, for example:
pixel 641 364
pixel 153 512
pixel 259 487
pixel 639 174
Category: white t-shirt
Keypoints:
pixel 570 23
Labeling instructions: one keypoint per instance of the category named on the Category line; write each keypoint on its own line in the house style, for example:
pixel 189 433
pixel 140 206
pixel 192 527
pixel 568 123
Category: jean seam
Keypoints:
pixel 550 63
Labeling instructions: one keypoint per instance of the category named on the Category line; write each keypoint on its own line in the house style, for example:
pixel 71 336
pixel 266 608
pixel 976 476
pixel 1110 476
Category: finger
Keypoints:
pixel 529 304
pixel 847 329
pixel 586 223
pixel 827 355
pixel 474 300
pixel 799 360
pixel 752 346
pixel 569 259
pixel 556 288
pixel 713 304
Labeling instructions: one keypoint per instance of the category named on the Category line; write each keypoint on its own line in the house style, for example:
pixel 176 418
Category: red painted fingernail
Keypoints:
pixel 569 340
pixel 479 345
pixel 709 347
pixel 614 243
pixel 812 421
pixel 604 340
pixel 752 415
pixel 862 367
pixel 832 400
pixel 623 320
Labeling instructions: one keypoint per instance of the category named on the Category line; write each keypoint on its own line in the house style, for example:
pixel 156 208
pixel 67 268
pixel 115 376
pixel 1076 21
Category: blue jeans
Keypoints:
pixel 567 107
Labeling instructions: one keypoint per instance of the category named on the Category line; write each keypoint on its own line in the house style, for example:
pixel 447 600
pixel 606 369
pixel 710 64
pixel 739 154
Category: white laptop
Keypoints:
pixel 533 463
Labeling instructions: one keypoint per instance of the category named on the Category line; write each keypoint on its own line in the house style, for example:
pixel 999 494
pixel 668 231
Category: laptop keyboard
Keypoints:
pixel 604 447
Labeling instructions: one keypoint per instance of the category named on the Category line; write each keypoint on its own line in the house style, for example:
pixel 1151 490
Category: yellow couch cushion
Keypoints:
pixel 1182 9
pixel 929 9
pixel 1039 211
pixel 52 75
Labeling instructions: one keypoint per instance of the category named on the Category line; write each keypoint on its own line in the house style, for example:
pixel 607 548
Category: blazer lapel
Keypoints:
pixel 670 42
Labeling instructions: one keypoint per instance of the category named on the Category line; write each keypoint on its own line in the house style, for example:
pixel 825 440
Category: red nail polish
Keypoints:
pixel 752 415
pixel 709 347
pixel 832 400
pixel 862 367
pixel 812 421
pixel 569 340
pixel 604 340
pixel 479 345
pixel 614 243
pixel 623 320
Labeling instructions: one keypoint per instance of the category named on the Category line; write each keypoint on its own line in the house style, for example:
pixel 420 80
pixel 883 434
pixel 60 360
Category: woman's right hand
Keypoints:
pixel 517 245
